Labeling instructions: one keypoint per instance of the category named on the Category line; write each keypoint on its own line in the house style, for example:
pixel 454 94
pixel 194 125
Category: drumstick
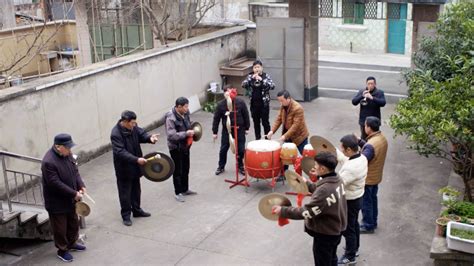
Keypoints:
pixel 89 197
pixel 157 156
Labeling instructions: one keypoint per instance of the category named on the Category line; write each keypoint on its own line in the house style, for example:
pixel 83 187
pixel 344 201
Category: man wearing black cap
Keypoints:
pixel 62 187
pixel 126 137
pixel 258 85
pixel 326 214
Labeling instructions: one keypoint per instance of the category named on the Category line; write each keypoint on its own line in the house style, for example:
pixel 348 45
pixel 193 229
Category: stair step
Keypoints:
pixel 8 216
pixel 42 218
pixel 27 216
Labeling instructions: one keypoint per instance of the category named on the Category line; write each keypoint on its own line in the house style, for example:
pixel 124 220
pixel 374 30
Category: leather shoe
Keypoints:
pixel 241 170
pixel 364 230
pixel 127 222
pixel 141 214
pixel 219 171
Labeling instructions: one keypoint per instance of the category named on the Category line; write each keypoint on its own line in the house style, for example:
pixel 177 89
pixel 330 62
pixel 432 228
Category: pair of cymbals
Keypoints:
pixel 268 201
pixel 197 128
pixel 158 168
pixel 296 182
pixel 82 209
pixel 319 144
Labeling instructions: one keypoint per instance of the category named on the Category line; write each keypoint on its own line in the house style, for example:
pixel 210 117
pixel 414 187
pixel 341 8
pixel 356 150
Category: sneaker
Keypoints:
pixel 347 261
pixel 357 252
pixel 65 256
pixel 364 230
pixel 127 222
pixel 219 171
pixel 189 193
pixel 179 197
pixel 77 247
pixel 241 170
pixel 141 213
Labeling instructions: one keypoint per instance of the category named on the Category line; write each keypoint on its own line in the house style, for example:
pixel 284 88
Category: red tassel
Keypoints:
pixel 297 165
pixel 283 221
pixel 189 141
pixel 299 199
pixel 233 93
pixel 313 178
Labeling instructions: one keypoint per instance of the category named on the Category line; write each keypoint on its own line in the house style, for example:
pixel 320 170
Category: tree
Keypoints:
pixel 438 115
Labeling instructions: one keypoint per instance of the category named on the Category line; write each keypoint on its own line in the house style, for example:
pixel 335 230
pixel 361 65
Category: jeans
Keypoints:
pixel 352 234
pixel 369 207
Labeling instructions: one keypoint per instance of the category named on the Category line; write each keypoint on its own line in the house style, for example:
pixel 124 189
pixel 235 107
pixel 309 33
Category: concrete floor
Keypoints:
pixel 222 226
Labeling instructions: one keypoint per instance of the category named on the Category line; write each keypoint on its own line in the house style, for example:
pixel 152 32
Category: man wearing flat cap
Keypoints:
pixel 62 187
pixel 126 137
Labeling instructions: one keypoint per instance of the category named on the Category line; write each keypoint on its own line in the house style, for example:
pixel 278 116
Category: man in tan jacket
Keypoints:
pixel 375 150
pixel 291 116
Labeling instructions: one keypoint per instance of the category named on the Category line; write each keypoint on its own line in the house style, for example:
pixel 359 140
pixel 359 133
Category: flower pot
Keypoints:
pixel 458 243
pixel 453 217
pixel 449 197
pixel 441 224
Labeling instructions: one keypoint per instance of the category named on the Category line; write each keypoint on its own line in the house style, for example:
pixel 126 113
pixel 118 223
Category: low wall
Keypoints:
pixel 87 102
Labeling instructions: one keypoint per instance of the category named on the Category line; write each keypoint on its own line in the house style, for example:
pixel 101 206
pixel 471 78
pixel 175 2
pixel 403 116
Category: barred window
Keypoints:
pixel 352 12
pixel 371 9
pixel 325 8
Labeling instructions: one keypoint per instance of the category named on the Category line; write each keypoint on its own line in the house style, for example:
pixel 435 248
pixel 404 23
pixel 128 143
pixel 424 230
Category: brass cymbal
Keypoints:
pixel 158 169
pixel 268 201
pixel 197 127
pixel 82 209
pixel 307 163
pixel 296 182
pixel 321 144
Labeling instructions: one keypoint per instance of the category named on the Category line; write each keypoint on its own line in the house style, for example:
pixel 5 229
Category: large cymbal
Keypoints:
pixel 159 168
pixel 197 127
pixel 307 163
pixel 268 201
pixel 82 209
pixel 296 182
pixel 321 144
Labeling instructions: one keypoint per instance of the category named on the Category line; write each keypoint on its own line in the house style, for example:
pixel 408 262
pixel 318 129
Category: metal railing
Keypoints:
pixel 25 188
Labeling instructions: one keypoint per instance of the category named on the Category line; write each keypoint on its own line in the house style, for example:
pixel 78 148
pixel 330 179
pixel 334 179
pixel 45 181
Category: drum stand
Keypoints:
pixel 237 181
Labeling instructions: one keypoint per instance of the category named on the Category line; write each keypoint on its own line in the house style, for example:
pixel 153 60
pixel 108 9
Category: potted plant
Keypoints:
pixel 460 237
pixel 441 224
pixel 449 193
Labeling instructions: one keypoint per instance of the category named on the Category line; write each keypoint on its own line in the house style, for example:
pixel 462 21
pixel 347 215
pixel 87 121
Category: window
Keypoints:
pixel 352 12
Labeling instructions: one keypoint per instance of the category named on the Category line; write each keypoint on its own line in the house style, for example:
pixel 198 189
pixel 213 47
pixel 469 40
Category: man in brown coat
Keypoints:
pixel 291 116
pixel 375 150
pixel 326 214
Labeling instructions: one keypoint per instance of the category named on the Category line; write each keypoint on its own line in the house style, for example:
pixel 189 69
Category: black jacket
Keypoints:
pixel 126 150
pixel 373 106
pixel 61 181
pixel 243 120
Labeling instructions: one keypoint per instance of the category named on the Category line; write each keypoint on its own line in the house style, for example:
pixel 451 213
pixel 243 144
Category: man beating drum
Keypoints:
pixel 291 117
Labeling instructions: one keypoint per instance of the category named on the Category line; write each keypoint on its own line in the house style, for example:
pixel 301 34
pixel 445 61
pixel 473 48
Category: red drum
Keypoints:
pixel 289 152
pixel 262 159
pixel 308 151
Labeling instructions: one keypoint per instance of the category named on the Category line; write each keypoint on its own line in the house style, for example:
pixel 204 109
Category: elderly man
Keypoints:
pixel 62 187
pixel 126 137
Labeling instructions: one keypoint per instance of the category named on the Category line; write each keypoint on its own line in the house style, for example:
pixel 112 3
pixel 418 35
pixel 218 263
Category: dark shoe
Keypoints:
pixel 127 222
pixel 357 252
pixel 65 256
pixel 219 171
pixel 141 213
pixel 281 178
pixel 346 260
pixel 77 247
pixel 241 170
pixel 189 193
pixel 364 230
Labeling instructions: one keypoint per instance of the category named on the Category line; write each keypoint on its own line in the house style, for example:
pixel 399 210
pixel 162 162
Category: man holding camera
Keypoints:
pixel 370 99
pixel 258 85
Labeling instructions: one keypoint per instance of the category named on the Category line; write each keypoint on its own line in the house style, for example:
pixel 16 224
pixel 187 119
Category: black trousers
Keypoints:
pixel 260 114
pixel 225 147
pixel 325 249
pixel 181 170
pixel 363 135
pixel 65 227
pixel 129 194
pixel 352 233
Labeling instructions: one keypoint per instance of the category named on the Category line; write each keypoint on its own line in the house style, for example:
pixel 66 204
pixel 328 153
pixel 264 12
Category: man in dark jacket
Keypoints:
pixel 258 85
pixel 178 130
pixel 126 137
pixel 326 214
pixel 370 99
pixel 243 125
pixel 62 187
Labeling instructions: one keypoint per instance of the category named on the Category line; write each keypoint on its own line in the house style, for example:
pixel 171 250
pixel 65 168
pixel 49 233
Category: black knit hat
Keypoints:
pixel 64 139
